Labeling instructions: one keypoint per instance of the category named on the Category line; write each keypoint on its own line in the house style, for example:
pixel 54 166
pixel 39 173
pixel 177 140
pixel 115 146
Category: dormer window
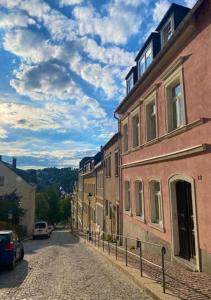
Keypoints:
pixel 130 83
pixel 145 61
pixel 167 31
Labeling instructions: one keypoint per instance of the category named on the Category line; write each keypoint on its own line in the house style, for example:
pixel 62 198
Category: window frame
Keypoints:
pixel 150 46
pixel 128 201
pixel 128 82
pixel 161 215
pixel 135 113
pixel 171 21
pixel 141 217
pixel 171 80
pixel 116 162
pixel 124 123
pixel 152 98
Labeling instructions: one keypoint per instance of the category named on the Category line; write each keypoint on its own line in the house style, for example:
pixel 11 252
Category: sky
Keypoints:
pixel 62 70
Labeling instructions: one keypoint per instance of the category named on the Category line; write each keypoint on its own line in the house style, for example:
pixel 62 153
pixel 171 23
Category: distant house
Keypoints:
pixel 19 181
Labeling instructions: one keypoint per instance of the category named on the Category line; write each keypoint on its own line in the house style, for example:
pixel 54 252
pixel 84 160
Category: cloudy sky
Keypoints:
pixel 62 69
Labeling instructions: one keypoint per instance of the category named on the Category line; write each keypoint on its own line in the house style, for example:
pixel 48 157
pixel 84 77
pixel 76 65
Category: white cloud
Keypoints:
pixel 108 55
pixel 30 45
pixel 16 19
pixel 160 9
pixel 190 3
pixel 70 2
pixel 116 27
pixel 97 75
pixel 3 133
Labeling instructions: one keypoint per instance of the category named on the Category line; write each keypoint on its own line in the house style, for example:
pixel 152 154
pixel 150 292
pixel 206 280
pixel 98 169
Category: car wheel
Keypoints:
pixel 11 266
pixel 22 255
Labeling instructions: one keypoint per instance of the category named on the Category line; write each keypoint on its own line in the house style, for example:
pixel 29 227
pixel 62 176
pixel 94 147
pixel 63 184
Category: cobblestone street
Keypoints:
pixel 61 268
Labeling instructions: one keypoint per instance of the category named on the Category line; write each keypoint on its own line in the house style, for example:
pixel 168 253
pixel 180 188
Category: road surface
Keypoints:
pixel 61 268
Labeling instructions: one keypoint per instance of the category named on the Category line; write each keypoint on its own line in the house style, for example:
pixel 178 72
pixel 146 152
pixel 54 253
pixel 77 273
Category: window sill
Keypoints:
pixel 157 227
pixel 140 219
pixel 128 212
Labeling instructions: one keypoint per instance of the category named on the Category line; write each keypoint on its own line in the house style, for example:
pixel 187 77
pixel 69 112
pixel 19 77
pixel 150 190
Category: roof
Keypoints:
pixel 130 72
pixel 28 176
pixel 169 12
pixel 152 34
pixel 162 52
pixel 112 141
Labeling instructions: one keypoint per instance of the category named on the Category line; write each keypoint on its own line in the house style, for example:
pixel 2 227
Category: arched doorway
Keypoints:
pixel 183 216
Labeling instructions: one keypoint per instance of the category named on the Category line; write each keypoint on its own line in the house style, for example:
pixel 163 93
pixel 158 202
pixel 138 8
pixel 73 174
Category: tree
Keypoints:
pixel 11 203
pixel 64 208
pixel 42 207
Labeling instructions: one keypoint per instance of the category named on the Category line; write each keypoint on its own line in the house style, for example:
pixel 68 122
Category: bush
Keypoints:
pixel 17 228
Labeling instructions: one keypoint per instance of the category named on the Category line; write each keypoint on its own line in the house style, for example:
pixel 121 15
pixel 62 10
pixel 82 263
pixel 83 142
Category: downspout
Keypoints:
pixel 120 178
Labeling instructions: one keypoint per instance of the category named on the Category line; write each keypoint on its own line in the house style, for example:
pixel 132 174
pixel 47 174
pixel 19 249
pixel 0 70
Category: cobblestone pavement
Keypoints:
pixel 60 268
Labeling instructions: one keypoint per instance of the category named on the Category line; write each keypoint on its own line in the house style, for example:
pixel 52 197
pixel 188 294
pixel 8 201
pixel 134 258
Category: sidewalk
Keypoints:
pixel 180 283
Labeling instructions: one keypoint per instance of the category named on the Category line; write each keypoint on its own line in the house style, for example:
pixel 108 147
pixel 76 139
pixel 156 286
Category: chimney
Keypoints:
pixel 14 162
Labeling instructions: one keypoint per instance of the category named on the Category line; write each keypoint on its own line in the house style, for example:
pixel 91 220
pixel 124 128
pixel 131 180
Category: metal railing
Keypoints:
pixel 111 241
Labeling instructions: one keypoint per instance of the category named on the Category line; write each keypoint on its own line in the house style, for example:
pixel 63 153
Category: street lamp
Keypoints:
pixel 89 197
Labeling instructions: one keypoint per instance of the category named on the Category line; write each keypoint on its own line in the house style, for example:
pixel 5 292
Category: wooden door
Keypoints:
pixel 185 220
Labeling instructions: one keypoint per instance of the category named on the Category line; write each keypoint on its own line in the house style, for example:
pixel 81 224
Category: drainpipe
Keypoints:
pixel 120 178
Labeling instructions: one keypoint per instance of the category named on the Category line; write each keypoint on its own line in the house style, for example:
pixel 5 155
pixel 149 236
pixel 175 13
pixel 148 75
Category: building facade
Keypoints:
pixel 111 185
pixel 165 138
pixel 16 180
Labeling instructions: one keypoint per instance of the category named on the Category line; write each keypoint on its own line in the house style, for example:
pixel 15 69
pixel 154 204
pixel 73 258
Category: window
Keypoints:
pixel 167 32
pixel 116 163
pixel 156 206
pixel 145 61
pixel 135 130
pixel 175 107
pixel 151 121
pixel 106 207
pixel 139 198
pixel 110 210
pixel 130 83
pixel 127 195
pixel 125 137
pixel 108 166
pixel 1 180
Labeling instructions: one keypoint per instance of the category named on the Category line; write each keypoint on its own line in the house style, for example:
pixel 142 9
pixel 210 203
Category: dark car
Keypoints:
pixel 11 249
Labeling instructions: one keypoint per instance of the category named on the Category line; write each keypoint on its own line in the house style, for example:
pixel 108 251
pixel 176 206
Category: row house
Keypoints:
pixel 98 183
pixel 165 128
pixel 111 186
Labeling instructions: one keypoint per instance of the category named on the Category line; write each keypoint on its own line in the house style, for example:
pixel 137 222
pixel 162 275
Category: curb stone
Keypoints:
pixel 148 285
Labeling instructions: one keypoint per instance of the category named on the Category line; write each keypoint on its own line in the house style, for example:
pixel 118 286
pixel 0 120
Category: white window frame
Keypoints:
pixel 152 98
pixel 155 222
pixel 130 83
pixel 138 180
pixel 171 21
pixel 171 80
pixel 127 200
pixel 143 56
pixel 135 113
pixel 124 123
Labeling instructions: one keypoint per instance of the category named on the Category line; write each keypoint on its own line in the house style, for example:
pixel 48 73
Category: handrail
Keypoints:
pixel 93 240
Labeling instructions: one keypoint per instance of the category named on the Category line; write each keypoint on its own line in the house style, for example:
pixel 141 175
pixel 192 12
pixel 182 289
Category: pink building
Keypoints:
pixel 166 138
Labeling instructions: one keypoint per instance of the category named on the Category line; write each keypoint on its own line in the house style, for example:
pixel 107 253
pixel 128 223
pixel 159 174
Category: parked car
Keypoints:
pixel 41 230
pixel 11 249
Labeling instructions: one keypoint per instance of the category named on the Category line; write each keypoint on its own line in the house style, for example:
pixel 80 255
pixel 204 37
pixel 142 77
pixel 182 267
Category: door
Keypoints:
pixel 185 220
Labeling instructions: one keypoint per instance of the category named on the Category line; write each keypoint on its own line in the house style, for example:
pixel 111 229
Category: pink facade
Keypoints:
pixel 179 155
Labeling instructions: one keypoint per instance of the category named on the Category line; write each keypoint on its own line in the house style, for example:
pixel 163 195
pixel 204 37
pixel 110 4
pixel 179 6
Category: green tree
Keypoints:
pixel 42 207
pixel 11 203
pixel 52 195
pixel 64 208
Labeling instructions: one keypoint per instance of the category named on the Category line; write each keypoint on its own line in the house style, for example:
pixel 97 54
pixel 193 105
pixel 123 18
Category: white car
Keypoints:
pixel 41 230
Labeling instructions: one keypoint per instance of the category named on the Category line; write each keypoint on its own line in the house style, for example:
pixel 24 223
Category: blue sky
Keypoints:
pixel 62 69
